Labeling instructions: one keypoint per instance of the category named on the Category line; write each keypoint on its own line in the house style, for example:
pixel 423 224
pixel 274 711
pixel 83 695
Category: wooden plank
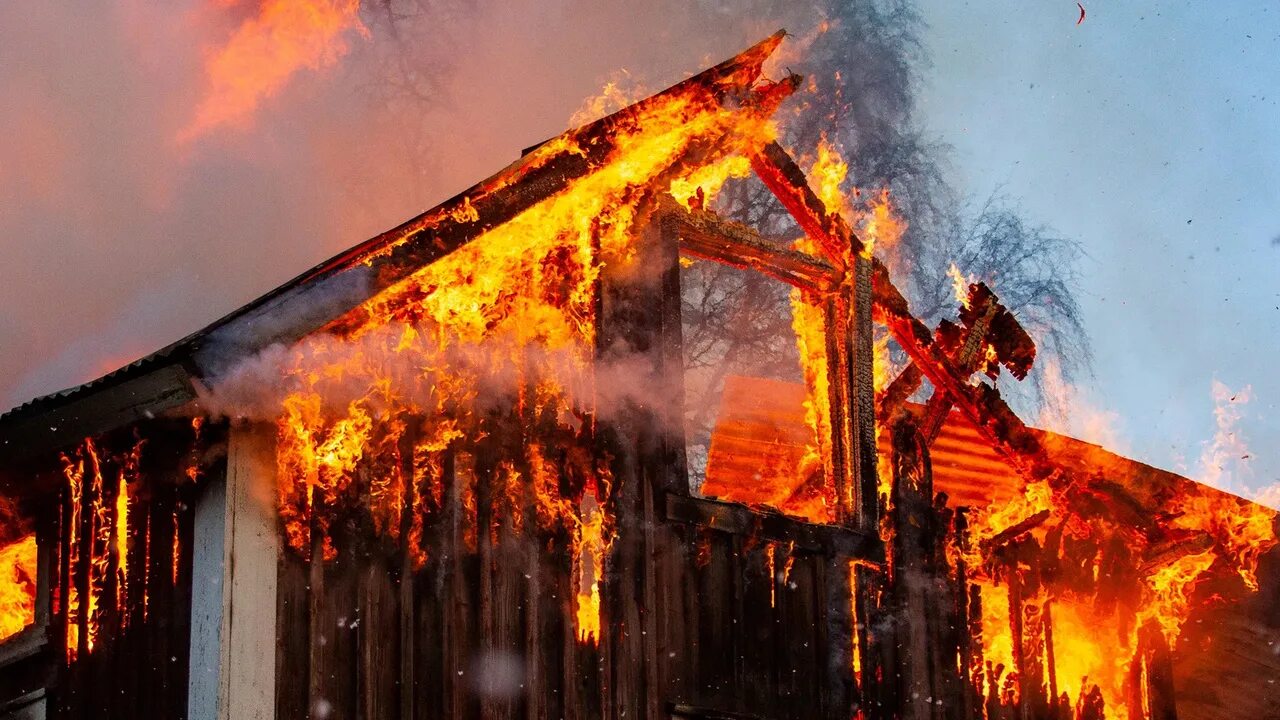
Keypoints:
pixel 756 626
pixel 838 637
pixel 378 635
pixel 333 641
pixel 160 593
pixel 841 467
pixel 60 628
pixel 862 406
pixel 135 603
pixel 807 623
pixel 716 642
pixel 705 235
pixel 405 620
pixel 740 519
pixel 180 625
pixel 293 637
pixel 460 625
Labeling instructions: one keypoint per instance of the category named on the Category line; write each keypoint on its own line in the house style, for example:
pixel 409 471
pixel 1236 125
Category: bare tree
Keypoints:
pixel 866 69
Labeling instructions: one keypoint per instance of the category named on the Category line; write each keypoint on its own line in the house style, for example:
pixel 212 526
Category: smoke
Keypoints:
pixel 1071 410
pixel 386 373
pixel 1225 459
pixel 118 239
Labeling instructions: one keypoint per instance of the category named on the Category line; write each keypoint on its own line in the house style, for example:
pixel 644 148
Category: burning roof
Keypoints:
pixel 387 352
pixel 169 377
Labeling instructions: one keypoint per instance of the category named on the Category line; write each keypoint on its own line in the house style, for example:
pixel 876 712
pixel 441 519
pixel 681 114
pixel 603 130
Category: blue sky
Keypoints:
pixel 1151 134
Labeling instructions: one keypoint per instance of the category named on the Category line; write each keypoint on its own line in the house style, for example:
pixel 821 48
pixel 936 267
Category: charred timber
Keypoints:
pixel 705 235
pixel 739 519
pixel 783 176
pixel 1013 531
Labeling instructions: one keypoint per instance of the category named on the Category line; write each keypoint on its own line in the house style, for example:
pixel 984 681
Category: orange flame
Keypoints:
pixel 267 49
pixel 959 285
pixel 17 586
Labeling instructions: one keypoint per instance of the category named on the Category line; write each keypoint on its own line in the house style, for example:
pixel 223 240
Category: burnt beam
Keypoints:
pixel 705 235
pixel 784 178
pixel 738 519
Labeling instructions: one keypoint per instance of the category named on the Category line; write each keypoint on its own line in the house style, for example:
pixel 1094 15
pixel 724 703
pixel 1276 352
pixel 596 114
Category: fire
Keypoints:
pixel 17 586
pixel 592 544
pixel 104 531
pixel 827 175
pixel 267 49
pixel 696 190
pixel 809 325
pixel 1095 643
pixel 1168 596
pixel 513 313
pixel 881 226
pixel 878 223
pixel 959 284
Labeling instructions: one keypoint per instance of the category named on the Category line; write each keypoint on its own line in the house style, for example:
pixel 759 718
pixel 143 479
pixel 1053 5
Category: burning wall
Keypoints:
pixel 477 454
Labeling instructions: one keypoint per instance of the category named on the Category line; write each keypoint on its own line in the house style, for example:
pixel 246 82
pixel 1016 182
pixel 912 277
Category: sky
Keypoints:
pixel 1148 133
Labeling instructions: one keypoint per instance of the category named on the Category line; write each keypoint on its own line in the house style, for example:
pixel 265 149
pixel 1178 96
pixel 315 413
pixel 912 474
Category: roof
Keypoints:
pixel 761 434
pixel 172 376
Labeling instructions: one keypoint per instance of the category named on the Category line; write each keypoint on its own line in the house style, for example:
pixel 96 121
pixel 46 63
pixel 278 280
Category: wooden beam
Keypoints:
pixel 966 361
pixel 786 180
pixel 981 403
pixel 705 235
pixel 92 412
pixel 739 519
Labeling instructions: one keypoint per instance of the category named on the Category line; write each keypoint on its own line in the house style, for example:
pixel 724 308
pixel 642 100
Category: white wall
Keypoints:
pixel 233 602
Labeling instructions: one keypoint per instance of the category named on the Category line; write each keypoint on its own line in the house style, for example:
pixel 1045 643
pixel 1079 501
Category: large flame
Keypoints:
pixel 509 314
pixel 17 586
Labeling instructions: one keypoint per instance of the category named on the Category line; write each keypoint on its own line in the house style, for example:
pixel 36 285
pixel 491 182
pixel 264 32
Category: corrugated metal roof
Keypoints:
pixel 760 436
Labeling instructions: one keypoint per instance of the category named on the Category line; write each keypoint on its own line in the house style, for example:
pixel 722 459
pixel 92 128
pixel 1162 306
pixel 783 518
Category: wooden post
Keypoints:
pixel 641 435
pixel 233 607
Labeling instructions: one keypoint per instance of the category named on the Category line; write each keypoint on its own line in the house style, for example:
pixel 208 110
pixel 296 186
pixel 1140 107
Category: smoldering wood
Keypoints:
pixel 983 404
pixel 1027 524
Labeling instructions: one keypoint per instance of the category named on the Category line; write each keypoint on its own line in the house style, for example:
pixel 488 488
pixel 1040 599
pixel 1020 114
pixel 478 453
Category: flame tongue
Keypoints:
pixel 265 51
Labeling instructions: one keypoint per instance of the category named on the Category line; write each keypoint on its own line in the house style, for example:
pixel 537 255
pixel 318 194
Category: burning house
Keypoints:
pixel 444 475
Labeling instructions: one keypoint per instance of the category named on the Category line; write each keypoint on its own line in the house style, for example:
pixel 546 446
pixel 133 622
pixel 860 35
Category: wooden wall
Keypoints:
pixel 138 664
pixel 708 609
pixel 723 620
